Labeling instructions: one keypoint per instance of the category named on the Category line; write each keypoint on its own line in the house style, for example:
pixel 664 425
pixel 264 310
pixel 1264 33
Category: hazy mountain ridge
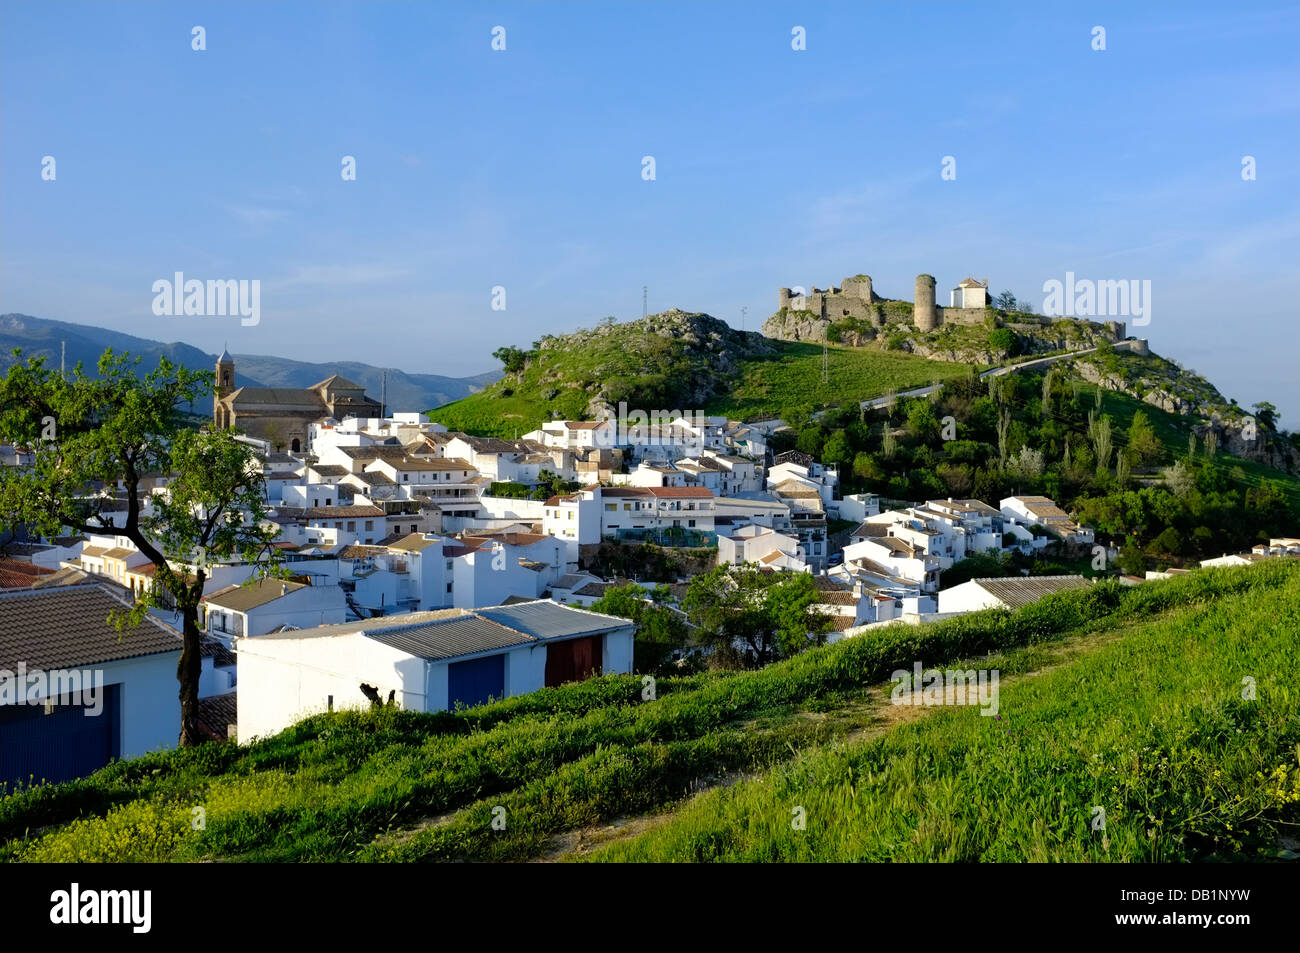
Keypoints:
pixel 85 343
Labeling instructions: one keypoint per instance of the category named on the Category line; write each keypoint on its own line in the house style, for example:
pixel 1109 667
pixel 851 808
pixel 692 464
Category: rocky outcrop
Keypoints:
pixel 1164 394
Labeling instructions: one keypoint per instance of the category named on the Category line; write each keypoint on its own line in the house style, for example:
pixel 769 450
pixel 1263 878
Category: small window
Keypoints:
pixel 370 524
pixel 352 526
pixel 329 702
pixel 449 587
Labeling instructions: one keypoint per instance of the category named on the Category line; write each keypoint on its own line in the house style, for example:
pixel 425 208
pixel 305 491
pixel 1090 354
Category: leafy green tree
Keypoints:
pixel 113 430
pixel 810 441
pixel 660 631
pixel 1266 414
pixel 1142 440
pixel 1131 559
pixel 511 358
pixel 1169 542
pixel 750 617
pixel 837 449
pixel 921 421
pixel 867 468
pixel 1003 340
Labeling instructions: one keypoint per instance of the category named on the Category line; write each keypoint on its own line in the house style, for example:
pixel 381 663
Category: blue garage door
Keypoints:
pixel 60 745
pixel 474 682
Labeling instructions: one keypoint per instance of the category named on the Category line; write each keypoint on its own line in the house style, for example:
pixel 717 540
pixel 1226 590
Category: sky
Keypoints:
pixel 523 168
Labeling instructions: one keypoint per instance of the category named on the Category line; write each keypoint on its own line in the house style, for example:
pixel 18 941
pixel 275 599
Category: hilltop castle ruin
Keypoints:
pixel 854 300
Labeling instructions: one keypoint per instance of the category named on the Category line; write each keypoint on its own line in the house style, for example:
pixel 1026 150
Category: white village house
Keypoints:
pixel 429 661
pixel 62 635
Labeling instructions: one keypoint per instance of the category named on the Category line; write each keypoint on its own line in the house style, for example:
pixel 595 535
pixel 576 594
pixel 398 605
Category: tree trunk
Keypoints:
pixel 187 673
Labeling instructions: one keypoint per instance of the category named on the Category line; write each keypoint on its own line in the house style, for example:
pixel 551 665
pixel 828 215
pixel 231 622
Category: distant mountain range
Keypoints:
pixel 85 343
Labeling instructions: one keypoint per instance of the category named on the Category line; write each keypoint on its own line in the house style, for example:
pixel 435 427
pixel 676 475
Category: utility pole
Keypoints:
pixel 383 393
pixel 63 359
pixel 826 366
pixel 743 312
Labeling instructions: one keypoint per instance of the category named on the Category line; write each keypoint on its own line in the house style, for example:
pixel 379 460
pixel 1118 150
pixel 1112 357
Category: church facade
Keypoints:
pixel 283 415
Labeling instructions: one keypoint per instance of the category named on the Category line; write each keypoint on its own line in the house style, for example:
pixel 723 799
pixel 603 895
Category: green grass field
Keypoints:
pixel 1127 698
pixel 791 383
pixel 1150 727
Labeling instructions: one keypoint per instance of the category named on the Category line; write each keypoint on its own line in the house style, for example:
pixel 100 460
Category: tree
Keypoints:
pixel 1004 431
pixel 1266 414
pixel 1100 435
pixel 1006 301
pixel 837 449
pixel 1180 479
pixel 112 430
pixel 511 358
pixel 1131 559
pixel 750 617
pixel 921 421
pixel 660 631
pixel 1142 440
pixel 1027 465
pixel 1003 340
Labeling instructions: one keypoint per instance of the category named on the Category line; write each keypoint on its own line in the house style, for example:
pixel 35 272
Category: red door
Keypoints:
pixel 572 660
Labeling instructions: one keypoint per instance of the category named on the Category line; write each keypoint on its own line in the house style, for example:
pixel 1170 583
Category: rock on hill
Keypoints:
pixel 674 360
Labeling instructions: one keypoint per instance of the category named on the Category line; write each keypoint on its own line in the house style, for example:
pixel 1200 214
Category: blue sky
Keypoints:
pixel 522 168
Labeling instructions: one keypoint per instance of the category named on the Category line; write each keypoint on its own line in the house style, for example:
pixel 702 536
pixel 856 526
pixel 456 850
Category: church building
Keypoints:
pixel 284 415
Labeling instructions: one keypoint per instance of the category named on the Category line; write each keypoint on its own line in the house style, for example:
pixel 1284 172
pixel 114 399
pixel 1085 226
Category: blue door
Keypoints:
pixel 476 681
pixel 62 745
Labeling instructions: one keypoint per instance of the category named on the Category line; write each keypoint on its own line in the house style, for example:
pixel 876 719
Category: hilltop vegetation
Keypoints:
pixel 681 361
pixel 1142 477
pixel 1147 682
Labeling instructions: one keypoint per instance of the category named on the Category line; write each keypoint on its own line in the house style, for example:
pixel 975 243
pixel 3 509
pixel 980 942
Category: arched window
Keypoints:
pixel 295 447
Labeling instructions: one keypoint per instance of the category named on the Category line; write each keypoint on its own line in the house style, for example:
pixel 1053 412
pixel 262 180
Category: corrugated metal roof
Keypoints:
pixel 550 620
pixel 1017 591
pixel 449 638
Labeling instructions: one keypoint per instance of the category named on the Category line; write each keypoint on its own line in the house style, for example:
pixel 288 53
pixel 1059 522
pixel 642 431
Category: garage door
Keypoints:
pixel 476 681
pixel 60 745
pixel 573 660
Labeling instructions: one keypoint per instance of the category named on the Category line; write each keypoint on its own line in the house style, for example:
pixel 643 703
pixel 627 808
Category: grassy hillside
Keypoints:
pixel 789 384
pixel 1173 431
pixel 1150 726
pixel 686 362
pixel 1139 710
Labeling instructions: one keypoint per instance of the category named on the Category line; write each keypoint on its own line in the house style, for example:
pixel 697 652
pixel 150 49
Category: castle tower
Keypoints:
pixel 924 314
pixel 857 286
pixel 225 384
pixel 782 299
